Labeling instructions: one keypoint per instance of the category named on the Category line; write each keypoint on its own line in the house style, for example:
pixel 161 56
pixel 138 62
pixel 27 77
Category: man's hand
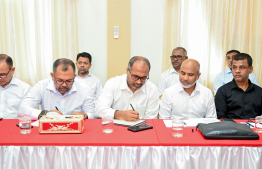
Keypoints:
pixel 57 111
pixel 128 115
pixel 80 113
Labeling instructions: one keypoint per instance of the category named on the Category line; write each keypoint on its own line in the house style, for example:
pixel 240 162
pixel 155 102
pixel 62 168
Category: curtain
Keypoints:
pixel 35 33
pixel 210 28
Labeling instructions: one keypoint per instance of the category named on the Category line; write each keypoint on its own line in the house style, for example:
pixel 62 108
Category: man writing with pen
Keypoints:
pixel 59 94
pixel 132 88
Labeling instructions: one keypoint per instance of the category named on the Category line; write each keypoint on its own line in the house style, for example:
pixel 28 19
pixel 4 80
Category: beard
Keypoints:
pixel 134 85
pixel 82 71
pixel 63 89
pixel 188 84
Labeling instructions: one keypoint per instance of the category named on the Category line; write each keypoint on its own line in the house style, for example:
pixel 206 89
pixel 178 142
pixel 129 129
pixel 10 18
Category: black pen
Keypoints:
pixel 56 108
pixel 132 107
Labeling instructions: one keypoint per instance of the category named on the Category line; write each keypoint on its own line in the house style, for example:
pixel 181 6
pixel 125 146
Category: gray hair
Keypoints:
pixel 136 58
pixel 177 48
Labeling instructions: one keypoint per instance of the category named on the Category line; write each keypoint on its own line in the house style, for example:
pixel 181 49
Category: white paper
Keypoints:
pixel 128 123
pixel 36 123
pixel 192 122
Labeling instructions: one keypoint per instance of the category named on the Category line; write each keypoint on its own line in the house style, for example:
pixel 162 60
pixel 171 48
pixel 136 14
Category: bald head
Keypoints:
pixel 194 64
pixel 189 73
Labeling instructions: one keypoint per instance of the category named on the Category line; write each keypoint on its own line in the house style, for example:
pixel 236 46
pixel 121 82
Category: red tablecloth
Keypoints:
pixel 195 138
pixel 92 136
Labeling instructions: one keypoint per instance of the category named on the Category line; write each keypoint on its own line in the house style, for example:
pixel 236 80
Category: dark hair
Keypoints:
pixel 8 60
pixel 232 51
pixel 65 62
pixel 177 48
pixel 242 56
pixel 136 58
pixel 85 55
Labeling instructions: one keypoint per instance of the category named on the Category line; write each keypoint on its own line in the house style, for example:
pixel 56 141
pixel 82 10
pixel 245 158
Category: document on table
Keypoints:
pixel 36 123
pixel 129 123
pixel 192 122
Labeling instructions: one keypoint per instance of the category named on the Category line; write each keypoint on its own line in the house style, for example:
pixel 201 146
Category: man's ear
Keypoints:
pixel 51 74
pixel 198 76
pixel 13 70
pixel 126 70
pixel 250 69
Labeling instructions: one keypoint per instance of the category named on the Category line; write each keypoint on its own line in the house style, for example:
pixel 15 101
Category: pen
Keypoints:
pixel 132 107
pixel 250 124
pixel 56 108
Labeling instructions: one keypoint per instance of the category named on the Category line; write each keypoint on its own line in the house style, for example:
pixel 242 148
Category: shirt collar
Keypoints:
pixel 234 85
pixel 89 75
pixel 124 85
pixel 172 70
pixel 181 89
pixel 13 81
pixel 51 86
pixel 228 70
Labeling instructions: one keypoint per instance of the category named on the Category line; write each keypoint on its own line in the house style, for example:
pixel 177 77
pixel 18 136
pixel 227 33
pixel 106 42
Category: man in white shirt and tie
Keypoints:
pixel 188 98
pixel 132 88
pixel 83 64
pixel 59 94
pixel 12 90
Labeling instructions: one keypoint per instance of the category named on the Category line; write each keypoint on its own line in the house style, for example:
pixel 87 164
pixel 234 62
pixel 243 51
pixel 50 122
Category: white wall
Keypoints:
pixel 92 34
pixel 146 33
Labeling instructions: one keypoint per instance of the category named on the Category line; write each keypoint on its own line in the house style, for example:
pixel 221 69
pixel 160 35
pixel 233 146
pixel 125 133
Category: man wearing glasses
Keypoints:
pixel 12 90
pixel 59 94
pixel 132 88
pixel 171 76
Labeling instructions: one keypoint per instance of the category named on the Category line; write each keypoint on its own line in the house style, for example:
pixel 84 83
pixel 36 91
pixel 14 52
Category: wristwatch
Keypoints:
pixel 43 112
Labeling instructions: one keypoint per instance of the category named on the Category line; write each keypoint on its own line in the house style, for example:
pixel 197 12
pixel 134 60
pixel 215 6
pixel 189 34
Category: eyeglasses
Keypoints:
pixel 135 77
pixel 4 75
pixel 178 57
pixel 60 82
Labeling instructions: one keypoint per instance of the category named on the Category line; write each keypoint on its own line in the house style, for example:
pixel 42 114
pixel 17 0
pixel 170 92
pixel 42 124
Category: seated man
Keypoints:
pixel 133 88
pixel 83 64
pixel 12 90
pixel 187 98
pixel 59 94
pixel 226 76
pixel 240 98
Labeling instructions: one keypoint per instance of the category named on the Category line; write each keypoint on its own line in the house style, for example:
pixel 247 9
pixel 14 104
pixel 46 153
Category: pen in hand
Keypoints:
pixel 56 108
pixel 132 107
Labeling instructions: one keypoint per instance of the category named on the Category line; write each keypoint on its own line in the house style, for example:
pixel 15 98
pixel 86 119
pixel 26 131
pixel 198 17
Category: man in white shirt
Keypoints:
pixel 59 94
pixel 226 75
pixel 187 98
pixel 83 64
pixel 133 88
pixel 12 90
pixel 171 76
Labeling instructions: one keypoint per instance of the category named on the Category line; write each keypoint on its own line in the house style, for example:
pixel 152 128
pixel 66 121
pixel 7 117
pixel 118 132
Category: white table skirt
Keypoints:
pixel 152 157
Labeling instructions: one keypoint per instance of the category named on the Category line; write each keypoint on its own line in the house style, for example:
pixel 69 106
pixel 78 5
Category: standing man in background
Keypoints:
pixel 12 90
pixel 226 75
pixel 171 76
pixel 132 88
pixel 83 63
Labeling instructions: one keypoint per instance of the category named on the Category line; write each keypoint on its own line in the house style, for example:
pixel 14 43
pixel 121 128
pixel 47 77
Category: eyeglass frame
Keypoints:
pixel 66 82
pixel 178 57
pixel 5 76
pixel 133 76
